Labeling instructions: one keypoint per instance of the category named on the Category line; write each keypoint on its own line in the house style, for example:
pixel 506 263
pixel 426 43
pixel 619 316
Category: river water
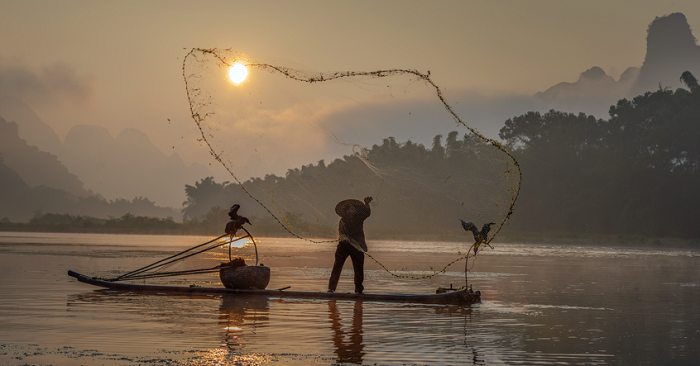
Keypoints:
pixel 542 304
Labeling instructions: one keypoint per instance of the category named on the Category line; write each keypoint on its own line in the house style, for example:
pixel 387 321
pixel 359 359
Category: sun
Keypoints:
pixel 237 73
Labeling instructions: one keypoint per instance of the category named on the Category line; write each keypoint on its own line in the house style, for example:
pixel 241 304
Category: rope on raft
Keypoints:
pixel 148 271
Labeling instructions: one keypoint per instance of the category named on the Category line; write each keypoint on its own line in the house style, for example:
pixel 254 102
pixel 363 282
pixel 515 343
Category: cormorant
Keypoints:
pixel 479 236
pixel 237 221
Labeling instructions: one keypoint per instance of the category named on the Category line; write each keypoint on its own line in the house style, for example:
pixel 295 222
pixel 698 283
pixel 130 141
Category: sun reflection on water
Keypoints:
pixel 221 356
pixel 235 242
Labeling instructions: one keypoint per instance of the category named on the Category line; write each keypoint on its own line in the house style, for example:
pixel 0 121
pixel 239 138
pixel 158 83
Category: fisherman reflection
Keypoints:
pixel 240 316
pixel 348 344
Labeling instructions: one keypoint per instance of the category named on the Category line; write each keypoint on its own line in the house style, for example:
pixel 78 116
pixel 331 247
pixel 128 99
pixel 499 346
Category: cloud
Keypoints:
pixel 274 138
pixel 54 83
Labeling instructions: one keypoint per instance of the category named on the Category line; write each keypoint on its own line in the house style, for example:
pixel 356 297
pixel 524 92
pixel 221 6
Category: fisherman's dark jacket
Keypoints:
pixel 353 226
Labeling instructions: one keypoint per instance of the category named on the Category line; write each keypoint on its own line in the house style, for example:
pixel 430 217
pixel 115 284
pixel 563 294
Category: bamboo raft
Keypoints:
pixel 463 297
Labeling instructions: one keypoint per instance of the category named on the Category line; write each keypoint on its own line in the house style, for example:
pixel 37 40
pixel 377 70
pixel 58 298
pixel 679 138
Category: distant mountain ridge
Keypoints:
pixel 123 167
pixel 128 165
pixel 594 91
pixel 14 193
pixel 19 202
pixel 34 182
pixel 671 50
pixel 35 167
pixel 31 128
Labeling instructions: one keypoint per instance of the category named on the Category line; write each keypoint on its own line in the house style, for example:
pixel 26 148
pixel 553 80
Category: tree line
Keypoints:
pixel 211 223
pixel 416 184
pixel 635 173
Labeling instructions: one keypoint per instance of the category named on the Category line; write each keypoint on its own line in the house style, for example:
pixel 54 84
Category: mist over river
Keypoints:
pixel 542 304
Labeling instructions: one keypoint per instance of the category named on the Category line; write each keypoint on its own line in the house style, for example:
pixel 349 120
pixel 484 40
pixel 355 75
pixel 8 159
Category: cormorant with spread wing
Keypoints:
pixel 237 220
pixel 479 236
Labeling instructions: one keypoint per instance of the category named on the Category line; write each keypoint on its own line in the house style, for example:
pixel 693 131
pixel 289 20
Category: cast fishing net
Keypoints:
pixel 298 142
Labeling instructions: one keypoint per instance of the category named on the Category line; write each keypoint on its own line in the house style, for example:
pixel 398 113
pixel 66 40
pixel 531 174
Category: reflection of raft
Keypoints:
pixel 455 297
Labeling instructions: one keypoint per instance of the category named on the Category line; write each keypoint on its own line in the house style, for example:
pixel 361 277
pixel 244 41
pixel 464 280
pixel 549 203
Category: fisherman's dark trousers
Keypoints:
pixel 358 262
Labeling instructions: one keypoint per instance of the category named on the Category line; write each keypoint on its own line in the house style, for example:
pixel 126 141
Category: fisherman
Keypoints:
pixel 351 241
pixel 236 222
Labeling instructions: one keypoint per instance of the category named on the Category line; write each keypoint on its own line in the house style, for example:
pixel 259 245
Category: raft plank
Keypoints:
pixel 454 297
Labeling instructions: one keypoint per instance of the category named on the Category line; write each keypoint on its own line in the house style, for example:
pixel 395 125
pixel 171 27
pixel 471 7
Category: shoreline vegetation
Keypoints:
pixel 630 179
pixel 214 221
pixel 599 240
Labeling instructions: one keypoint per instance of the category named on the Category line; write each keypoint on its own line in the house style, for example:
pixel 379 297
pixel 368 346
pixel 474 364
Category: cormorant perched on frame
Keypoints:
pixel 479 236
pixel 237 220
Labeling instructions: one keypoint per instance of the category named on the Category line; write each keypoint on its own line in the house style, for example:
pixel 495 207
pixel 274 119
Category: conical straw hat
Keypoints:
pixel 342 206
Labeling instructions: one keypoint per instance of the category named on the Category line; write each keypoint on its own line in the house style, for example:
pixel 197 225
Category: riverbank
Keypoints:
pixel 213 224
pixel 511 238
pixel 599 240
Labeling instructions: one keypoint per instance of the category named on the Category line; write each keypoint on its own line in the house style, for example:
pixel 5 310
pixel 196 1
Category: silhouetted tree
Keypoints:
pixel 690 81
pixel 635 173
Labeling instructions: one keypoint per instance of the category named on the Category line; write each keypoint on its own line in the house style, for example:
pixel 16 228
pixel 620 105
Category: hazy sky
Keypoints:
pixel 118 64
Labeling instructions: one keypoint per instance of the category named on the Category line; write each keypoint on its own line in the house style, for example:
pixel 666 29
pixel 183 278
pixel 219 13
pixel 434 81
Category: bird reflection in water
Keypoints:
pixel 349 345
pixel 470 338
pixel 242 315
